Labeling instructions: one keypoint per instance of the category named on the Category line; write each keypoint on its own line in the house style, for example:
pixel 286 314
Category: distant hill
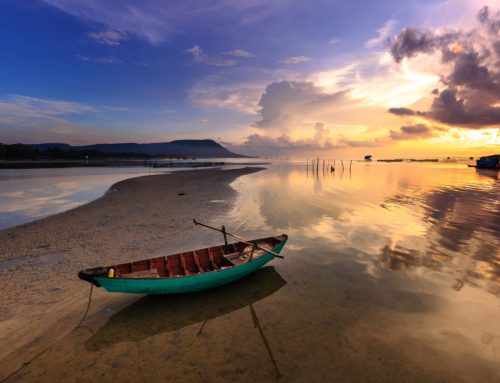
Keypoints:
pixel 51 145
pixel 178 148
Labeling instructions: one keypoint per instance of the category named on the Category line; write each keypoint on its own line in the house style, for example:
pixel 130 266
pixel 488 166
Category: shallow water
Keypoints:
pixel 29 194
pixel 406 217
pixel 392 273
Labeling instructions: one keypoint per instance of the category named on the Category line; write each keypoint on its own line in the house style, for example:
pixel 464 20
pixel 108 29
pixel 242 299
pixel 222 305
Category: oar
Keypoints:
pixel 238 237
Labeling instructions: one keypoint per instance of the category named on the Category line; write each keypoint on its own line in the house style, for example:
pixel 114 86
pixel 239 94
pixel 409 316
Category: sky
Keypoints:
pixel 269 78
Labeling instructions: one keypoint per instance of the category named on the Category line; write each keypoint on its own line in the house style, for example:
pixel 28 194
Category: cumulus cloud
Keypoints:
pixel 295 60
pixel 239 53
pixel 109 37
pixel 471 72
pixel 283 100
pixel 323 139
pixel 411 41
pixel 259 141
pixel 199 56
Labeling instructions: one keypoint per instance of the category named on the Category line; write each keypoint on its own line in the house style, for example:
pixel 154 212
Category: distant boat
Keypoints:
pixel 368 157
pixel 488 162
pixel 188 271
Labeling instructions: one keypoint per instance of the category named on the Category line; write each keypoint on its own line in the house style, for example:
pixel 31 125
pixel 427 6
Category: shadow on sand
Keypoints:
pixel 157 314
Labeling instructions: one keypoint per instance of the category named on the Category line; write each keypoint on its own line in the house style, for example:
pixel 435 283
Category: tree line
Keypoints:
pixel 28 152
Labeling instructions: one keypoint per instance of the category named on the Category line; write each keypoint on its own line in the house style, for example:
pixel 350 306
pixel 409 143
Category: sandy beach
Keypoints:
pixel 41 297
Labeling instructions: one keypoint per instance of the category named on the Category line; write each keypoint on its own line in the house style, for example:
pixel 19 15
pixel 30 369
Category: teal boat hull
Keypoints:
pixel 186 284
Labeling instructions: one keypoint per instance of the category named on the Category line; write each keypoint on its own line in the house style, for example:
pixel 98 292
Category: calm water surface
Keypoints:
pixel 392 273
pixel 29 194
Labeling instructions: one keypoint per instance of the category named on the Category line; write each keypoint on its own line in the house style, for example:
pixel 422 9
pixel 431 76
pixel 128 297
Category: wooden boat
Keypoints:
pixel 189 271
pixel 488 162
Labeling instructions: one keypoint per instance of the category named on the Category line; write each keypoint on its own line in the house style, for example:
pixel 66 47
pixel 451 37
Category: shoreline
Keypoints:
pixel 124 163
pixel 135 219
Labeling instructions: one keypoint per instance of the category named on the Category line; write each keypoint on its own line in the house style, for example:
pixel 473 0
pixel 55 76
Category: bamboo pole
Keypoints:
pixel 238 237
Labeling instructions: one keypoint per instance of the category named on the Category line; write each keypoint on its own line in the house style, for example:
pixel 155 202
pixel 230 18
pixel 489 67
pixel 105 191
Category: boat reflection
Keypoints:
pixel 157 314
pixel 491 173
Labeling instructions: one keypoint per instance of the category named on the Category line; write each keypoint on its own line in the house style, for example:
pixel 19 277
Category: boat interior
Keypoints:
pixel 196 262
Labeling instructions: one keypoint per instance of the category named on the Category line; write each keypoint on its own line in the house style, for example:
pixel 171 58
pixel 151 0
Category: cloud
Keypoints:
pixel 470 71
pixel 100 60
pixel 30 118
pixel 323 139
pixel 383 34
pixel 295 60
pixel 283 101
pixel 412 132
pixel 215 93
pixel 411 41
pixel 334 41
pixel 108 37
pixel 199 56
pixel 402 111
pixel 239 53
pixel 344 142
pixel 18 105
pixel 156 21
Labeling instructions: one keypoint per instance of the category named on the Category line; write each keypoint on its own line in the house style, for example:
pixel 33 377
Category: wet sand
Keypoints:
pixel 42 300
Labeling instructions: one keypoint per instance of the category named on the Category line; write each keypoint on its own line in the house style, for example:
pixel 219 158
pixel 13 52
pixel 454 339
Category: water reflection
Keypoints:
pixel 443 217
pixel 153 315
pixel 28 194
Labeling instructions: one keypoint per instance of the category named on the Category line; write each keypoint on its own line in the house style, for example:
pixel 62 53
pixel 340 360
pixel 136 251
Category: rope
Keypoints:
pixel 46 349
pixel 88 307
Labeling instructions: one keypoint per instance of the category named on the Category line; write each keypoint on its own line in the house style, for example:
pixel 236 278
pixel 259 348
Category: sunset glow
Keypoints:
pixel 400 82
